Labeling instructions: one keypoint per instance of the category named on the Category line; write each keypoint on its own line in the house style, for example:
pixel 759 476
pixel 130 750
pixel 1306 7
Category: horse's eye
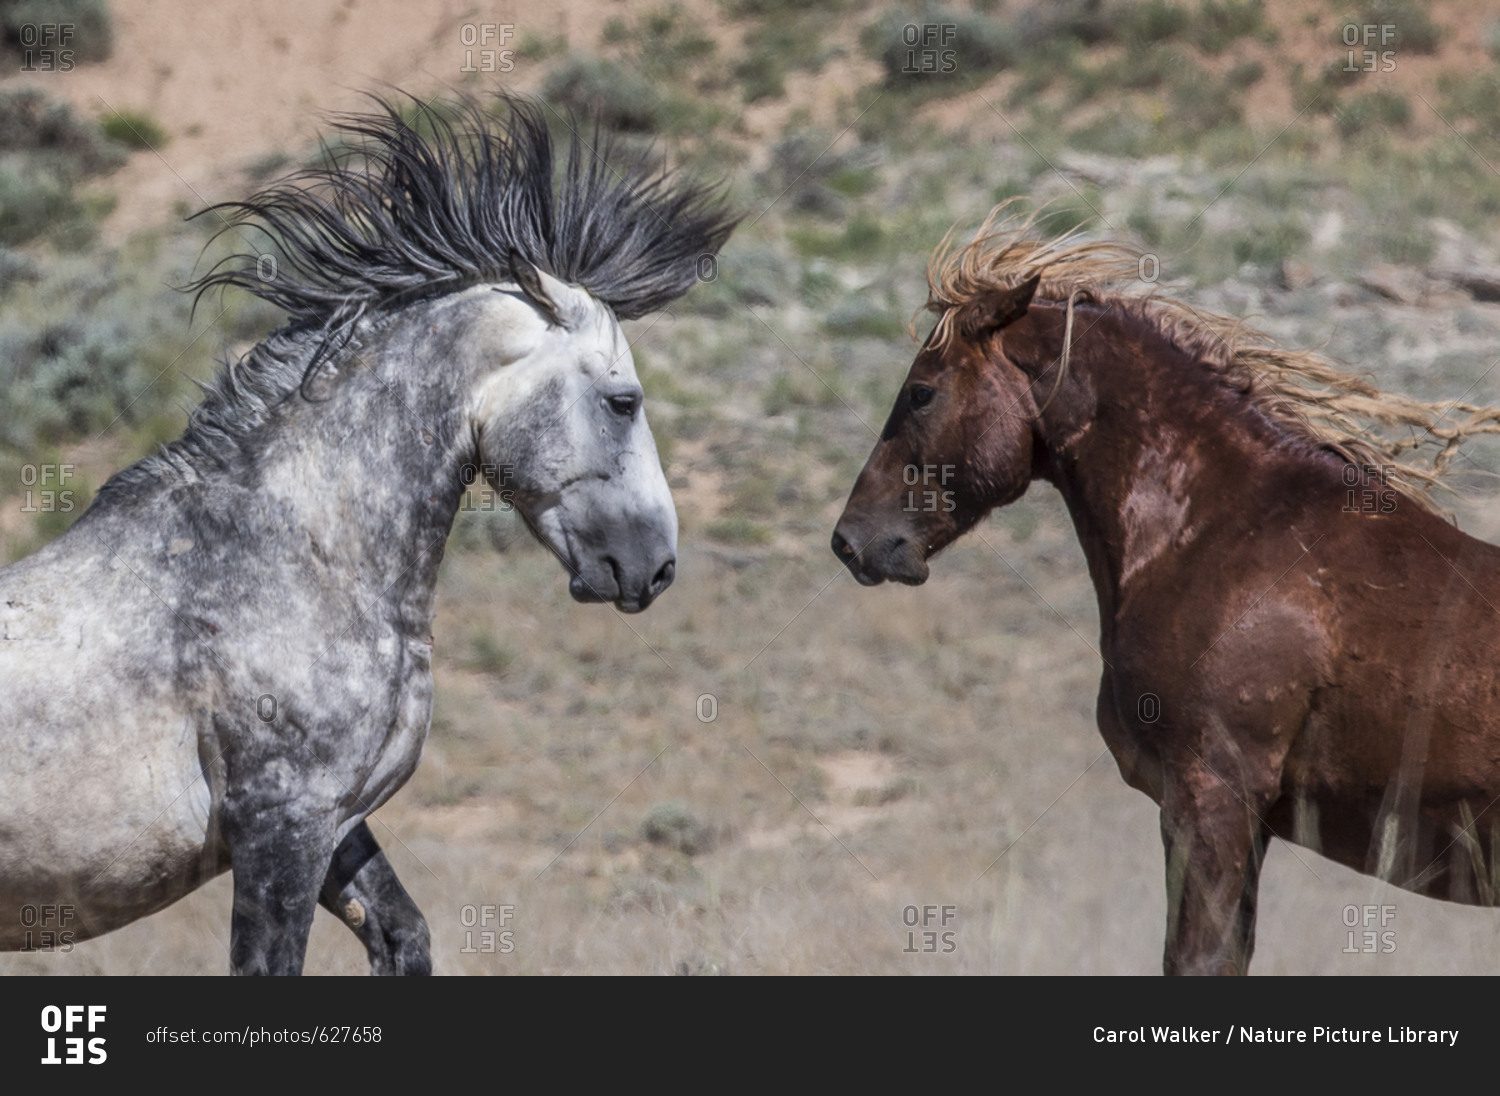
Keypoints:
pixel 624 406
pixel 921 395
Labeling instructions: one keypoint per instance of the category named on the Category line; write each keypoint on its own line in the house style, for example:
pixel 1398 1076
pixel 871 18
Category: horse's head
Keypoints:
pixel 959 442
pixel 562 434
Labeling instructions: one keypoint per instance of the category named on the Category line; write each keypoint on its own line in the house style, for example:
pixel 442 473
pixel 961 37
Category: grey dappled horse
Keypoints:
pixel 226 662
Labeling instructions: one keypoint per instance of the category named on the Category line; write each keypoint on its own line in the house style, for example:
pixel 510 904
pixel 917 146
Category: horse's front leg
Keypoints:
pixel 362 890
pixel 279 856
pixel 1215 841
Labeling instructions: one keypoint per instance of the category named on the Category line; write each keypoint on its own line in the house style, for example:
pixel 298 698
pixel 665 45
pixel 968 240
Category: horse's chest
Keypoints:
pixel 403 722
pixel 353 728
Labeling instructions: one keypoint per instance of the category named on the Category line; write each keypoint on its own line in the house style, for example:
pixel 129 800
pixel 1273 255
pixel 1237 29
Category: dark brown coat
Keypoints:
pixel 1295 645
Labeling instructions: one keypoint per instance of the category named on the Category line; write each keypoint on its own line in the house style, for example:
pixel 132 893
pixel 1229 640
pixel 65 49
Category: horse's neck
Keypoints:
pixel 372 477
pixel 1165 450
pixel 372 471
pixel 359 471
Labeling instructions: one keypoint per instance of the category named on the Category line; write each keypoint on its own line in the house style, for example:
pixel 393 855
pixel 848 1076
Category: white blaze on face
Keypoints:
pixel 563 427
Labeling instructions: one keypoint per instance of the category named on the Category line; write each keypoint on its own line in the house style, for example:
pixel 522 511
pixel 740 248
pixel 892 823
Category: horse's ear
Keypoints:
pixel 564 305
pixel 995 308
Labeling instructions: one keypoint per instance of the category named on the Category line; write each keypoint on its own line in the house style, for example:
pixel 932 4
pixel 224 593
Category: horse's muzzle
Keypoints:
pixel 879 557
pixel 631 585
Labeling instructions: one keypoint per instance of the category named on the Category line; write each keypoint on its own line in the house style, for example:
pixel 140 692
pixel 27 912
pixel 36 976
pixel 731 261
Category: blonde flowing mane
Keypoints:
pixel 1411 442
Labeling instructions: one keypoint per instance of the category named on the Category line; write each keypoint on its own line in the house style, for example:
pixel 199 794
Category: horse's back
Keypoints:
pixel 1412 612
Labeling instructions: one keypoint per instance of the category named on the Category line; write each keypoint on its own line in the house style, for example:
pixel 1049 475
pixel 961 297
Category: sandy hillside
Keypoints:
pixel 234 81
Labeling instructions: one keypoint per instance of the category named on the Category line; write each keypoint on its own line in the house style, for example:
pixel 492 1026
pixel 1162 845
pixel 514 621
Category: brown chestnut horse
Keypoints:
pixel 1296 644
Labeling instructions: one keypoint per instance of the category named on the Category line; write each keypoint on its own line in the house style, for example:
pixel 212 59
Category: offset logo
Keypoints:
pixel 44 47
pixel 484 929
pixel 927 931
pixel 491 38
pixel 47 928
pixel 498 493
pixel 929 48
pixel 1374 938
pixel 1366 489
pixel 1369 35
pixel 60 1023
pixel 932 477
pixel 46 488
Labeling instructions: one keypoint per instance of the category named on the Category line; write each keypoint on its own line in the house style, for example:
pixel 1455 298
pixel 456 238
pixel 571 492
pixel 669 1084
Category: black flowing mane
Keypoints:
pixel 396 214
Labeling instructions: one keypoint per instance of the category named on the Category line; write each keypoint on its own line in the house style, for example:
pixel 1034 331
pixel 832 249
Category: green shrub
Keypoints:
pixel 63 379
pixel 1245 75
pixel 762 75
pixel 1144 66
pixel 674 826
pixel 1151 20
pixel 1120 132
pixel 1219 23
pixel 32 200
pixel 668 39
pixel 593 87
pixel 807 174
pixel 1046 63
pixel 937 45
pixel 84 345
pixel 33 122
pixel 45 150
pixel 1323 91
pixel 854 180
pixel 774 49
pixel 1475 98
pixel 782 394
pixel 1201 103
pixel 1268 242
pixel 133 129
pixel 748 274
pixel 1065 24
pixel 539 47
pixel 16 269
pixel 1413 29
pixel 1378 110
pixel 1443 179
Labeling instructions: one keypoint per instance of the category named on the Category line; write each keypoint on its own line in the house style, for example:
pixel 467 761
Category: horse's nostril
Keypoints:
pixel 841 547
pixel 664 576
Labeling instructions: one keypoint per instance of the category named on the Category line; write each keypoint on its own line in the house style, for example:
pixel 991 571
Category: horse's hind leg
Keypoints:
pixel 1215 843
pixel 362 890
